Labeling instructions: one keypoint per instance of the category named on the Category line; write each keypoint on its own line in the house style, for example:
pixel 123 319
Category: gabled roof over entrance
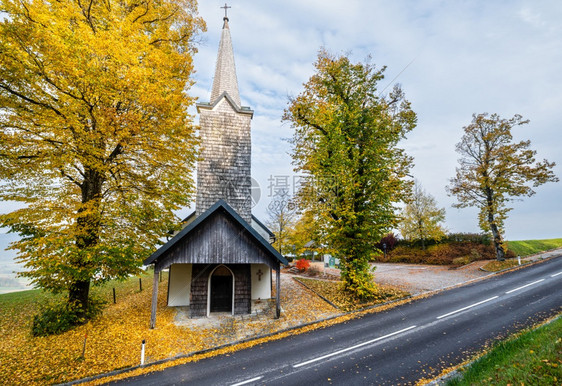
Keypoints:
pixel 263 230
pixel 217 236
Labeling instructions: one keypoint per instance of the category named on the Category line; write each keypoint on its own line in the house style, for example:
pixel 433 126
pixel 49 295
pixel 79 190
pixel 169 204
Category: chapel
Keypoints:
pixel 222 259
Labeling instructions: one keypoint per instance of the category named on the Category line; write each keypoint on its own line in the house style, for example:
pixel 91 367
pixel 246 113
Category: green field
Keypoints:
pixel 533 358
pixel 528 247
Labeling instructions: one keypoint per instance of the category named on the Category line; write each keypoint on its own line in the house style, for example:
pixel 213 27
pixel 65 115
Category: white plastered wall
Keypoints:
pixel 261 289
pixel 180 285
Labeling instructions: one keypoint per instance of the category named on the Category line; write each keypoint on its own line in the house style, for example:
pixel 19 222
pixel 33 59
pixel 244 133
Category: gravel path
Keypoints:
pixel 417 278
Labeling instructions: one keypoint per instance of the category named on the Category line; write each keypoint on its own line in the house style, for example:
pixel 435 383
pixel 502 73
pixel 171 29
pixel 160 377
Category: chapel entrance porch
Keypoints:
pixel 221 290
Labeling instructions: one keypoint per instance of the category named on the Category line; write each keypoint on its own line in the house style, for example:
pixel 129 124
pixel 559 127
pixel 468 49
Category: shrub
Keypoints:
pixel 314 271
pixel 60 317
pixel 461 260
pixel 478 238
pixel 390 240
pixel 303 265
pixel 440 254
pixel 451 238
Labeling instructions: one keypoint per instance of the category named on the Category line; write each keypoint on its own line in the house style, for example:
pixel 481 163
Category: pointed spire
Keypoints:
pixel 225 73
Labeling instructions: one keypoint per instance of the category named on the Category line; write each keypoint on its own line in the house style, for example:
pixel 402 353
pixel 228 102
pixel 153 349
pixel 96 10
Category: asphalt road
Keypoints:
pixel 398 346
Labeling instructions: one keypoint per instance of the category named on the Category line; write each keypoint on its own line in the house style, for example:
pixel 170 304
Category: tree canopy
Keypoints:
pixel 421 218
pixel 494 170
pixel 345 142
pixel 282 216
pixel 95 139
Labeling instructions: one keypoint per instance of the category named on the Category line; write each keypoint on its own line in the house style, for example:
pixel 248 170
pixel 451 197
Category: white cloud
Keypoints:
pixel 469 57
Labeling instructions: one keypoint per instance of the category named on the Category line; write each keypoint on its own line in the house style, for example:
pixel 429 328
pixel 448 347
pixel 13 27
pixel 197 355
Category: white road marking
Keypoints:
pixel 467 307
pixel 556 274
pixel 524 286
pixel 352 347
pixel 247 381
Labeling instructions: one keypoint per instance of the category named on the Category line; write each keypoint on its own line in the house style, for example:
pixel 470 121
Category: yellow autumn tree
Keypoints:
pixel 95 140
pixel 421 218
pixel 494 170
pixel 345 140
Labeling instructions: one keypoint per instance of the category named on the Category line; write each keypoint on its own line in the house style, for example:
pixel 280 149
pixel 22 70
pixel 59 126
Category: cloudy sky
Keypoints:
pixel 452 58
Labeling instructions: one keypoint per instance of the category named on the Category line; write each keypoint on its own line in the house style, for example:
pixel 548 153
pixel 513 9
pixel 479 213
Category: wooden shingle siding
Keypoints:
pixel 224 170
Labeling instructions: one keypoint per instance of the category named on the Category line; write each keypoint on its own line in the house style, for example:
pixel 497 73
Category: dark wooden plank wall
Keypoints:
pixel 218 240
pixel 242 288
pixel 200 287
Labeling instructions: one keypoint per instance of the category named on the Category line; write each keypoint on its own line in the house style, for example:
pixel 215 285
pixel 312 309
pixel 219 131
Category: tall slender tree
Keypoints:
pixel 282 217
pixel 346 140
pixel 95 140
pixel 494 170
pixel 421 218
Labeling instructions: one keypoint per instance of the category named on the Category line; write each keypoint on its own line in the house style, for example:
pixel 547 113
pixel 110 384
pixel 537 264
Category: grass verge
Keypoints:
pixel 529 247
pixel 495 265
pixel 332 291
pixel 531 358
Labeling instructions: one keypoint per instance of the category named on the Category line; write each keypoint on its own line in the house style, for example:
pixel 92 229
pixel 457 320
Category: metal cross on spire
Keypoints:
pixel 225 11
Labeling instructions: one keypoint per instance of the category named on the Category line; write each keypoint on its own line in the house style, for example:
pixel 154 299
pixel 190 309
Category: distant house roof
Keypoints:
pixel 219 235
pixel 310 244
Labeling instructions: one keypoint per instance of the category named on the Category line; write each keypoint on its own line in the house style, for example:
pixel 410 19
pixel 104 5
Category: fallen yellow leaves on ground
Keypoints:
pixel 113 340
pixel 495 265
pixel 333 292
pixel 310 327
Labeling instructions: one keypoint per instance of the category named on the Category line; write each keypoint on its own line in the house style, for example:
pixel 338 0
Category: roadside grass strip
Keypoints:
pixel 530 358
pixel 530 247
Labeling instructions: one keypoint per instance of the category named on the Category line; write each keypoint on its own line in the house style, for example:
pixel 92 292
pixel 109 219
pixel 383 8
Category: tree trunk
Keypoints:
pixel 498 241
pixel 87 237
pixel 421 234
pixel 78 294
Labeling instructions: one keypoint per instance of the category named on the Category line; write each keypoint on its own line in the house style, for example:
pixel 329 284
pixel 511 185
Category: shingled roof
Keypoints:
pixel 225 73
pixel 206 229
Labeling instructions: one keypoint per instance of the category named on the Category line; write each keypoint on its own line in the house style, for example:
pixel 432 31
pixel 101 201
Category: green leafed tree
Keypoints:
pixel 421 218
pixel 303 236
pixel 494 170
pixel 345 141
pixel 95 140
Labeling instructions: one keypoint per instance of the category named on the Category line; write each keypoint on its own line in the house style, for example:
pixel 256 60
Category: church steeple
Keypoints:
pixel 224 168
pixel 225 80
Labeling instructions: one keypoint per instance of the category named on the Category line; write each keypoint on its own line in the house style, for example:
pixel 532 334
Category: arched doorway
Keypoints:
pixel 221 290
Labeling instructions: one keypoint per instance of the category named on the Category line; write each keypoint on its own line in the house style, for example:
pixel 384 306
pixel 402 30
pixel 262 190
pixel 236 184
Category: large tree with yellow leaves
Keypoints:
pixel 494 170
pixel 346 141
pixel 95 140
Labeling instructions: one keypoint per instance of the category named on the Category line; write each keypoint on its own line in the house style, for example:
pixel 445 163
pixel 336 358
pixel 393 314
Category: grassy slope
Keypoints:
pixel 534 358
pixel 529 247
pixel 112 339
